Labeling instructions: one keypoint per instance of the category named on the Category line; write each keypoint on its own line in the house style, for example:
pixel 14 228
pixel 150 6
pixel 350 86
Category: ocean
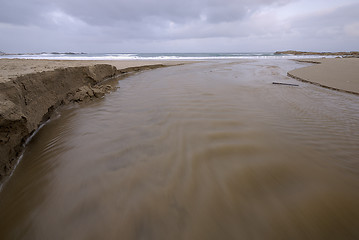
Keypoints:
pixel 156 56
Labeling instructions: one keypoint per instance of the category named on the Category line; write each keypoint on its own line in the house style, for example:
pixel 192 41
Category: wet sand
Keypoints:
pixel 210 150
pixel 340 74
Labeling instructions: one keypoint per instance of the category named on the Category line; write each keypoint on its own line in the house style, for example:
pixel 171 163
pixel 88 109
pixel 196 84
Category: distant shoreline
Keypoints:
pixel 286 52
pixel 55 53
pixel 177 56
pixel 292 52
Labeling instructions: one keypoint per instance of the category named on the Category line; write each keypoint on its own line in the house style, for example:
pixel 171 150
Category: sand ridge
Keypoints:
pixel 340 74
pixel 11 68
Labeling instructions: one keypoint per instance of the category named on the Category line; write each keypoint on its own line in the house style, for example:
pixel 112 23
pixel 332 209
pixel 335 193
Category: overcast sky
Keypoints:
pixel 178 26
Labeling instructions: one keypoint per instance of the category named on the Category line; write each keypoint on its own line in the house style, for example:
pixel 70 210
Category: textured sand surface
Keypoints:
pixel 335 73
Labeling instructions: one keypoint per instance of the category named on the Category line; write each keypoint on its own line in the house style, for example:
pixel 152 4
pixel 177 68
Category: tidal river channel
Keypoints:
pixel 209 150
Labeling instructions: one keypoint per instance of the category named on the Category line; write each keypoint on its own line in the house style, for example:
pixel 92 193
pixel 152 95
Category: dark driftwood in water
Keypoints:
pixel 287 84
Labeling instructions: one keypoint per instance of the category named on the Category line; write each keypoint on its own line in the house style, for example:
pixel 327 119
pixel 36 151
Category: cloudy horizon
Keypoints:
pixel 178 26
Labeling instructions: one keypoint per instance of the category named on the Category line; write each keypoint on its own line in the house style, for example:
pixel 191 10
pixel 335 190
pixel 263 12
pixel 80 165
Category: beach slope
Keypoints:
pixel 340 74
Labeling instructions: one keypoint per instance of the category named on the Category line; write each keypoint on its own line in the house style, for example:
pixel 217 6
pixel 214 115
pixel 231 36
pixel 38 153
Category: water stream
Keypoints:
pixel 210 150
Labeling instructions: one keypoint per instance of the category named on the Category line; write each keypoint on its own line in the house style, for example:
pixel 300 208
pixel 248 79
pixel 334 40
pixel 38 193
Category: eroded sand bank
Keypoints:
pixel 340 74
pixel 10 68
pixel 31 89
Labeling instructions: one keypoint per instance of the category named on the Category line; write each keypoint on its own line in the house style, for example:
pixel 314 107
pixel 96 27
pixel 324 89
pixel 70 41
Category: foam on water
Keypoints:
pixel 156 56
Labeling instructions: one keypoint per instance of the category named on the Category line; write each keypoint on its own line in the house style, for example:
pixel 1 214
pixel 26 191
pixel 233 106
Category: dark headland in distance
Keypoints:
pixel 344 54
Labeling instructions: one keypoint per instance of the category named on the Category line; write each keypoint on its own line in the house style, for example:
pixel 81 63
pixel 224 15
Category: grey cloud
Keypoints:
pixel 137 24
pixel 20 12
pixel 327 23
pixel 110 12
pixel 146 19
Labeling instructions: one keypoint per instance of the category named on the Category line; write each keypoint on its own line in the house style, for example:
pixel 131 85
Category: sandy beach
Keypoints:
pixel 10 68
pixel 340 74
pixel 30 90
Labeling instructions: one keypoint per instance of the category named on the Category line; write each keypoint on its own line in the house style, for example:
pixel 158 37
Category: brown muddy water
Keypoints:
pixel 209 150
